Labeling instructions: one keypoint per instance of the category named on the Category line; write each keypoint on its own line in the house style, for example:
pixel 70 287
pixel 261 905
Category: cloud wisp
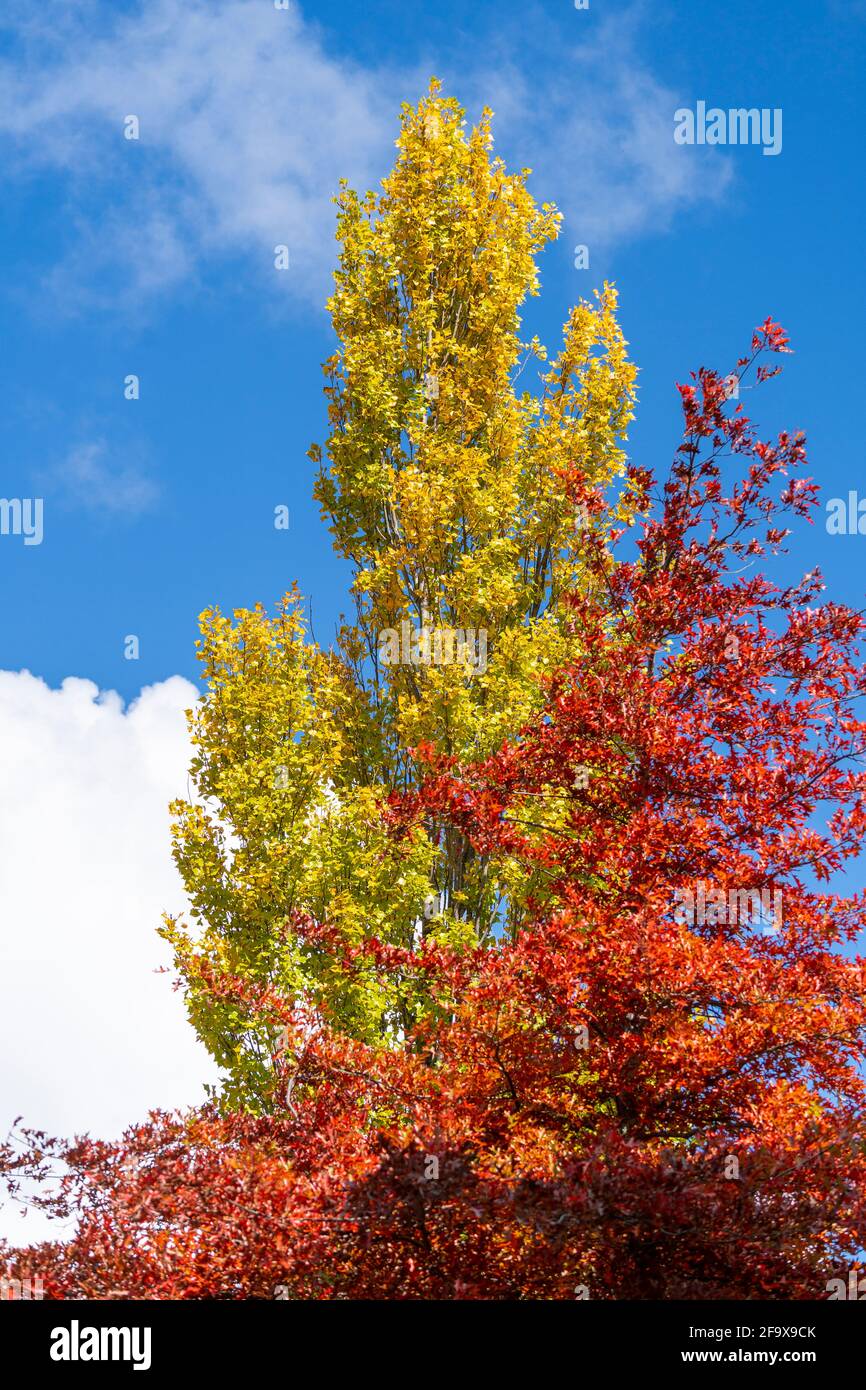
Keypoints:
pixel 246 123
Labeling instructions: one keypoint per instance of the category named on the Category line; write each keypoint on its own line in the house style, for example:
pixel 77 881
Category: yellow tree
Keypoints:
pixel 451 491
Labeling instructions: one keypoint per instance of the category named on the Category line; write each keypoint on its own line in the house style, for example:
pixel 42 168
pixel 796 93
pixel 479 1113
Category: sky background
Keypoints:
pixel 155 257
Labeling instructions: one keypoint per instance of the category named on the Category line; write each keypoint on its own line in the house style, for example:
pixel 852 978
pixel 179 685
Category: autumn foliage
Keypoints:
pixel 442 481
pixel 626 1098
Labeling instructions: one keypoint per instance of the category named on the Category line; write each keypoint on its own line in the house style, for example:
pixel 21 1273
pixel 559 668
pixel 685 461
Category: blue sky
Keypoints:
pixel 155 257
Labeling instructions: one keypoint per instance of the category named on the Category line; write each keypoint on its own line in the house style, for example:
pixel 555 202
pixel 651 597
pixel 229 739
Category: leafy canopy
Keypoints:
pixel 457 497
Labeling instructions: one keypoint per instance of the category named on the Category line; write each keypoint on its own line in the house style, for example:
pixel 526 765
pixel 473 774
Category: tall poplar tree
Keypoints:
pixel 455 481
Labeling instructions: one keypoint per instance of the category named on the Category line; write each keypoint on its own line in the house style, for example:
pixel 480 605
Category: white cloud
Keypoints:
pixel 599 137
pixel 246 126
pixel 92 1038
pixel 248 123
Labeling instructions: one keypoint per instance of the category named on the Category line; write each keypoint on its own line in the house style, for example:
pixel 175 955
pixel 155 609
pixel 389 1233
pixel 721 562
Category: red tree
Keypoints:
pixel 656 1090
